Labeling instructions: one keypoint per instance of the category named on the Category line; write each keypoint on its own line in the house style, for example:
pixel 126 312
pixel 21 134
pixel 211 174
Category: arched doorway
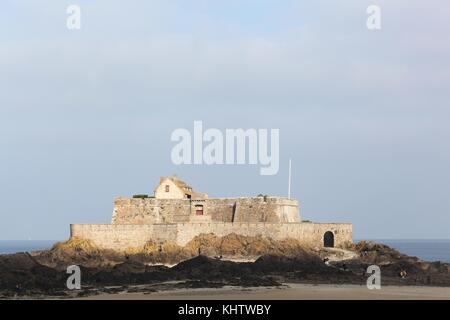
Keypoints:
pixel 328 239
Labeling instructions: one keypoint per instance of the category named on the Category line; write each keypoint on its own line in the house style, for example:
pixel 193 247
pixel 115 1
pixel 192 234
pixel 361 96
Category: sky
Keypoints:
pixel 87 115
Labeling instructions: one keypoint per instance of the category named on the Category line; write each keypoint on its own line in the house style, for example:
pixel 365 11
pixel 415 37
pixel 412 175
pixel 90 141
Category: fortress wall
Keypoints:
pixel 220 210
pixel 259 209
pixel 308 233
pixel 288 210
pixel 121 237
pixel 189 230
pixel 135 211
pixel 313 233
pixel 174 210
pixel 151 210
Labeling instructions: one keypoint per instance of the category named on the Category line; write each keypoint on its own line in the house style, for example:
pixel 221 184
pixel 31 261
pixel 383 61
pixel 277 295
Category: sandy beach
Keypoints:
pixel 291 292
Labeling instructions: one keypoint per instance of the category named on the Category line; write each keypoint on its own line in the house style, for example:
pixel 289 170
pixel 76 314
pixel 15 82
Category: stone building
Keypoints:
pixel 177 213
pixel 174 188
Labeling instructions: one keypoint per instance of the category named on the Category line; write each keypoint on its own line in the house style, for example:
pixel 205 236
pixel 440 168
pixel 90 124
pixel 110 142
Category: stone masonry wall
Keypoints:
pixel 120 237
pixel 150 210
pixel 259 209
pixel 308 233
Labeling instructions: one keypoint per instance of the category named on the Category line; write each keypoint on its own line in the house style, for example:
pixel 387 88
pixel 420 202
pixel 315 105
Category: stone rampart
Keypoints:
pixel 120 237
pixel 252 210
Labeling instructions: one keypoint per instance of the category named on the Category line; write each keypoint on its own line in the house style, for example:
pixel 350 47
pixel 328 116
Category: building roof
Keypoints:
pixel 178 182
pixel 187 189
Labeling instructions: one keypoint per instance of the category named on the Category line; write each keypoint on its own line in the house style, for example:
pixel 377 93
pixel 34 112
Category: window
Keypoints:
pixel 199 210
pixel 167 188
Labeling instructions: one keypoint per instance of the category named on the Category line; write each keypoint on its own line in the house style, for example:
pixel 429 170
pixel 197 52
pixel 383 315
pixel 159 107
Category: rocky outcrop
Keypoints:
pixel 275 262
pixel 83 252
pixel 21 273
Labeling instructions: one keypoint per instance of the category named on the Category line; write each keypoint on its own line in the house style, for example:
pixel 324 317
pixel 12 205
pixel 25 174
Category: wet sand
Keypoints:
pixel 292 292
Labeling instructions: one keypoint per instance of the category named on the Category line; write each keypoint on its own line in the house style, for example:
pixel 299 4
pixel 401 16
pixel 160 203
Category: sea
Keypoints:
pixel 429 250
pixel 14 246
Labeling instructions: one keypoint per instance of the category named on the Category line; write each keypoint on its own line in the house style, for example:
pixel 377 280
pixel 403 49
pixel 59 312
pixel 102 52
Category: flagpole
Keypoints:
pixel 290 177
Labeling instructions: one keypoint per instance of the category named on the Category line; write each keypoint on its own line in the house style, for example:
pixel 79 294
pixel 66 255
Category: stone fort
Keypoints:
pixel 177 213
